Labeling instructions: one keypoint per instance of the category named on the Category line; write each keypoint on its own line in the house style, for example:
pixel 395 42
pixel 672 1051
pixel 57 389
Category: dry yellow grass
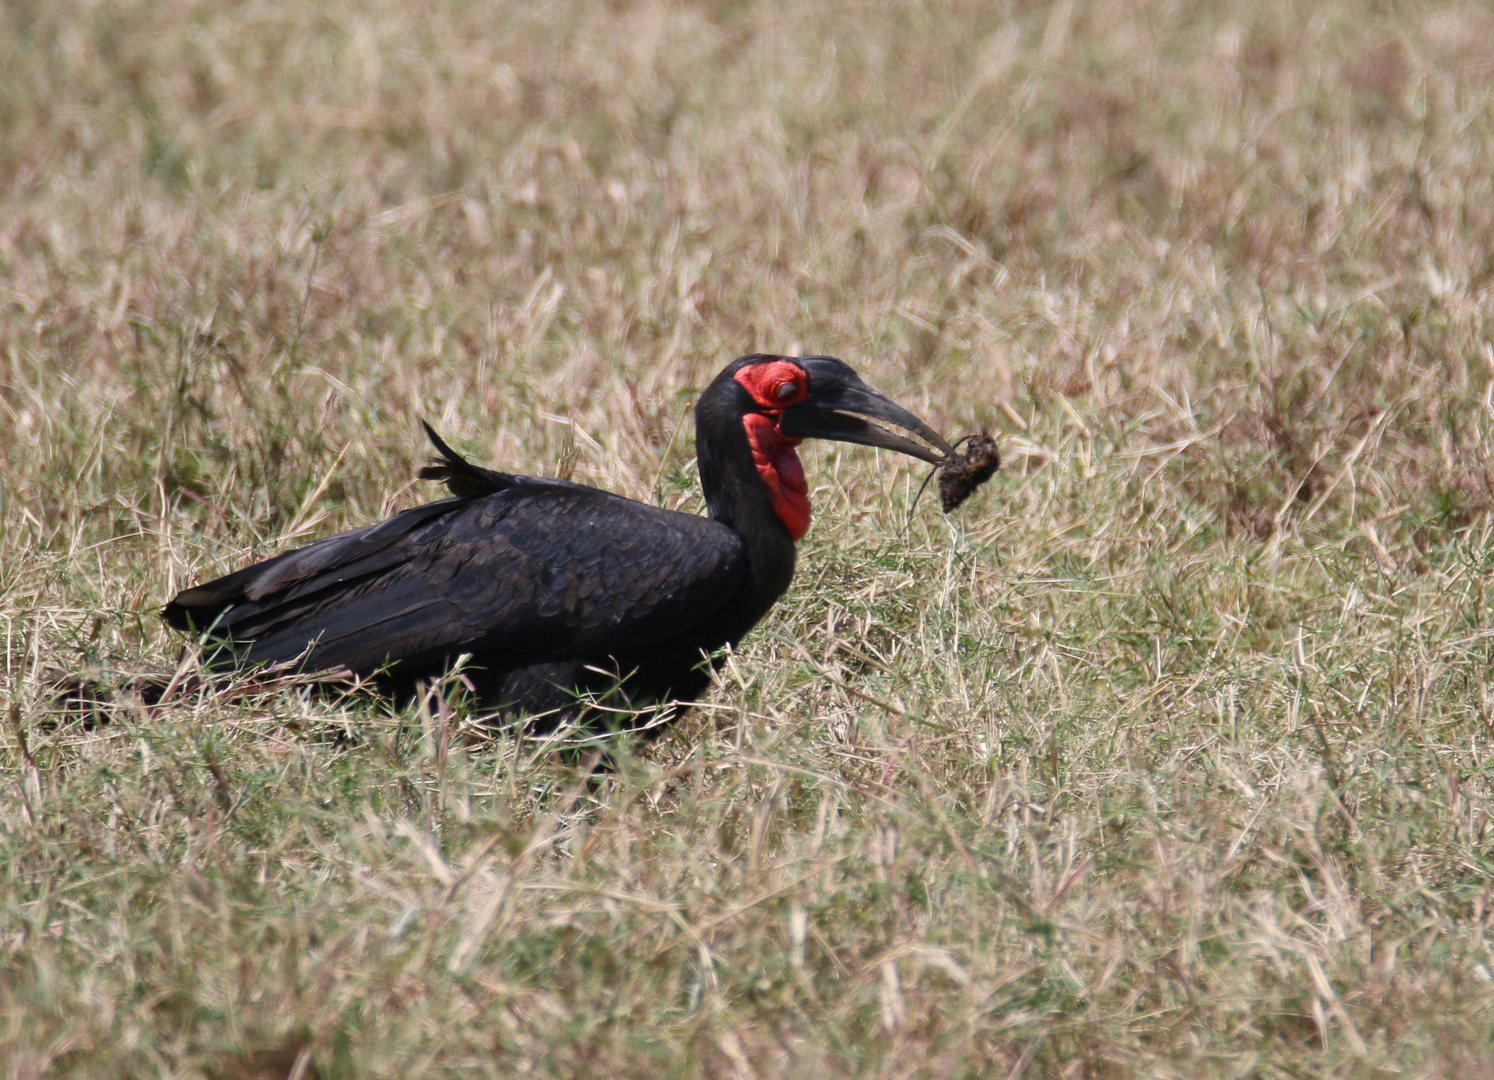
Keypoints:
pixel 1167 756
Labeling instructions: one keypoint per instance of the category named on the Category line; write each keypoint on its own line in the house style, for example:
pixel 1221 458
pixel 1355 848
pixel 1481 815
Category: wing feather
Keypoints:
pixel 537 567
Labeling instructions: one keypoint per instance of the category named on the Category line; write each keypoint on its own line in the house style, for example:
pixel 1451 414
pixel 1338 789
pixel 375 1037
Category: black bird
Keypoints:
pixel 572 603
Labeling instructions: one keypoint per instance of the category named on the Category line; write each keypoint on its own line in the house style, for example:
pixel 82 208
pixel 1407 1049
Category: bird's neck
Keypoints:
pixel 754 484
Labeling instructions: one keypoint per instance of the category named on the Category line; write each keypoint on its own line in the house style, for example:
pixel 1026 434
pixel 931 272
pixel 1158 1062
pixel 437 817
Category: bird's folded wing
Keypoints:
pixel 542 567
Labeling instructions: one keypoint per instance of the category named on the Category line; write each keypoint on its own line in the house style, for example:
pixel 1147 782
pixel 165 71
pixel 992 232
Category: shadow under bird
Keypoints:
pixel 571 603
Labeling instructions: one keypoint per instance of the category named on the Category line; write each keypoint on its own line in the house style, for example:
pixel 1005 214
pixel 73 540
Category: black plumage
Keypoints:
pixel 570 601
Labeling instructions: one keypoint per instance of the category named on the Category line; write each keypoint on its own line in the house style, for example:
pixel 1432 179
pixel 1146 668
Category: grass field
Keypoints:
pixel 1170 755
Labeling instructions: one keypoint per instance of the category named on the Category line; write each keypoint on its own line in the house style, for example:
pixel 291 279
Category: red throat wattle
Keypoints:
pixel 779 466
pixel 774 385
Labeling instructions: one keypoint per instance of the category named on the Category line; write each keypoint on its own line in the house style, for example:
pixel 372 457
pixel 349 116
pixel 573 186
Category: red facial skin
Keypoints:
pixel 774 385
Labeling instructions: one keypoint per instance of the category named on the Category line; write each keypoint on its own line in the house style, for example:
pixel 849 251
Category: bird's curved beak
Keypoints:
pixel 841 407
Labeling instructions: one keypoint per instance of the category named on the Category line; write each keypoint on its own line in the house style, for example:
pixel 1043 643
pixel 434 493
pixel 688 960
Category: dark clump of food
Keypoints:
pixel 965 470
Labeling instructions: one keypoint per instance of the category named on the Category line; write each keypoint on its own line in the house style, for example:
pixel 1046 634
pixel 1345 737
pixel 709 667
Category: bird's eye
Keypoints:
pixel 786 391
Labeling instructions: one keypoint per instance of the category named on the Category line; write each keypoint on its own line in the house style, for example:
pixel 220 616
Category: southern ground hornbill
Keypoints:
pixel 572 603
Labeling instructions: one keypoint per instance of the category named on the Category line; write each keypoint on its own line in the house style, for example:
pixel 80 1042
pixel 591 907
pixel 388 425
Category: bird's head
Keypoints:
pixel 781 400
